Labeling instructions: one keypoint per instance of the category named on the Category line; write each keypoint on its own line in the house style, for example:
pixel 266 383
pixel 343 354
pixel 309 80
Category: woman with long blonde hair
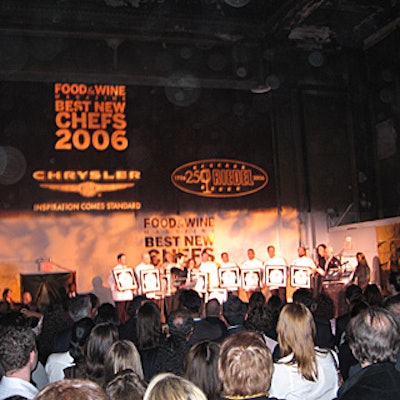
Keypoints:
pixel 303 370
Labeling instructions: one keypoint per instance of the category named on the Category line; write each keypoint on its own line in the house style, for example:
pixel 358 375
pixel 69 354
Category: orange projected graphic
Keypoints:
pixel 219 178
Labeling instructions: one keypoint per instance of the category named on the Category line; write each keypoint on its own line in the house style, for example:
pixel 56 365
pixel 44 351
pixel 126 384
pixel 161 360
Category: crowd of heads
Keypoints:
pixel 238 364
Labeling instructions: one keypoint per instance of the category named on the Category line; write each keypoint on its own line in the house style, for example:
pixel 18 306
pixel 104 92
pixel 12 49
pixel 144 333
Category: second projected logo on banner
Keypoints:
pixel 219 178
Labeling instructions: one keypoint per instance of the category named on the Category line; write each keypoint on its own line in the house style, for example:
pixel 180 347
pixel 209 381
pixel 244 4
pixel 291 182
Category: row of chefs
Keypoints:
pixel 164 279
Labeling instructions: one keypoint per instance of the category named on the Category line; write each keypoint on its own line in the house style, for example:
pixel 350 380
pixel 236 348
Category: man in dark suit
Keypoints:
pixel 203 330
pixel 234 312
pixel 78 307
pixel 213 316
pixel 374 340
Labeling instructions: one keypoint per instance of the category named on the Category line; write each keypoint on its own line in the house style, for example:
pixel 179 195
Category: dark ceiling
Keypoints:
pixel 350 23
pixel 134 41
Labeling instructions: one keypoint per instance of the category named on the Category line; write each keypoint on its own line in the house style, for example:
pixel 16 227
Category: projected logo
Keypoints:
pixel 219 178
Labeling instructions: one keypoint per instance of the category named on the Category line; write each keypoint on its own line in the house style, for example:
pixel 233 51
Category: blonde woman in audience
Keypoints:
pixel 168 386
pixel 303 370
pixel 245 367
pixel 122 355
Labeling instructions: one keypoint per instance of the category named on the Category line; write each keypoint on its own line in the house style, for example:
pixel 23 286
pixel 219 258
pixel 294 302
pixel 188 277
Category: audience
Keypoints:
pixel 128 329
pixel 245 367
pixel 394 283
pixel 213 316
pixel 126 385
pixel 106 312
pixel 324 336
pixel 54 322
pixel 392 304
pixel 261 320
pixel 18 357
pixel 201 364
pixel 276 304
pixel 172 387
pixel 121 355
pixel 373 295
pixel 226 355
pixel 303 370
pixel 346 358
pixel 202 330
pixel 91 366
pixel 57 362
pixel 78 307
pixel 173 351
pixel 149 337
pixel 72 389
pixel 234 312
pixel 374 340
pixel 352 293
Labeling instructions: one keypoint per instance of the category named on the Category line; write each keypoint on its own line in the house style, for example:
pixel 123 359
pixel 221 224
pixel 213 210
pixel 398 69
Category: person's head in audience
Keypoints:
pixel 213 308
pixel 276 304
pixel 172 387
pixel 394 283
pixel 18 353
pixel 373 295
pixel 79 336
pixel 392 304
pixel 352 292
pixel 100 340
pixel 373 336
pixel 356 306
pixel 234 311
pixel 201 364
pixel 245 365
pixel 79 307
pixel 148 327
pixel 135 304
pixel 126 385
pixel 296 333
pixel 190 300
pixel 121 355
pixel 181 325
pixel 304 296
pixel 257 298
pixel 13 318
pixel 72 389
pixel 106 313
pixel 260 319
pixel 325 307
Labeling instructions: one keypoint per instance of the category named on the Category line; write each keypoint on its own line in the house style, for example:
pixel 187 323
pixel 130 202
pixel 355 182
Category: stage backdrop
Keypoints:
pixel 89 243
pixel 89 170
pixel 99 148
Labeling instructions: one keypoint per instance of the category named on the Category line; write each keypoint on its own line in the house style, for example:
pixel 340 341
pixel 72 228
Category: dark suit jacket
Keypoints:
pixel 62 341
pixel 127 330
pixel 325 337
pixel 375 382
pixel 205 330
pixel 341 325
pixel 217 321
